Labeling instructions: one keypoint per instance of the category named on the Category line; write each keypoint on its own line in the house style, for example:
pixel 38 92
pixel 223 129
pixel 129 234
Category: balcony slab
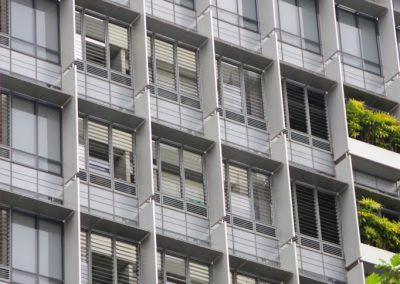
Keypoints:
pixel 371 256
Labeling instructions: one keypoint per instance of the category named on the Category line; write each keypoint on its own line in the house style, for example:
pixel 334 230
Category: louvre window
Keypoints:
pixel 316 214
pixel 4 239
pixel 35 133
pixel 243 279
pixel 4 17
pixel 240 89
pixel 37 250
pixel 180 172
pixel 35 28
pixel 4 120
pixel 359 41
pixel 306 110
pixel 105 260
pixel 298 22
pixel 106 42
pixel 172 66
pixel 248 193
pixel 179 270
pixel 243 13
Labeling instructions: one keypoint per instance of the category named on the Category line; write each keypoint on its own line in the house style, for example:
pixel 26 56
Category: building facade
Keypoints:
pixel 192 141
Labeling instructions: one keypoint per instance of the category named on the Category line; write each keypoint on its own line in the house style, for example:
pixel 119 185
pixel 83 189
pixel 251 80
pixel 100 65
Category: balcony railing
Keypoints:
pixel 359 77
pixel 310 151
pixel 320 259
pixel 301 52
pixel 29 66
pixel 178 218
pixel 28 181
pixel 171 12
pixel 231 27
pixel 376 183
pixel 177 110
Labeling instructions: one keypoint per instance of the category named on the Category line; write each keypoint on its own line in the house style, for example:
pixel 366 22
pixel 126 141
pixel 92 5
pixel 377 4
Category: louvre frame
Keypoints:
pixel 181 148
pixel 110 127
pixel 188 264
pixel 5 107
pixel 106 19
pixel 151 38
pixel 315 191
pixel 247 118
pixel 5 239
pixel 326 126
pixel 228 192
pixel 87 252
pixel 4 19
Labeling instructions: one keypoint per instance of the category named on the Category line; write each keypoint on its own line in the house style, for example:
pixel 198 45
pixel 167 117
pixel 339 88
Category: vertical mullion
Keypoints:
pixel 307 111
pixel 182 173
pixel 114 259
pixel 251 193
pixel 203 169
pixel 242 89
pixel 317 215
pixel 106 43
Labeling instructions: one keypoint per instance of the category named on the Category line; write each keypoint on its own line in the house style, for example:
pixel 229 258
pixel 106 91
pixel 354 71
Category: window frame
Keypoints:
pixel 250 189
pixel 356 16
pixel 182 190
pixel 305 88
pixel 242 68
pixel 36 156
pixel 35 44
pixel 301 36
pixel 110 126
pixel 152 62
pixel 106 21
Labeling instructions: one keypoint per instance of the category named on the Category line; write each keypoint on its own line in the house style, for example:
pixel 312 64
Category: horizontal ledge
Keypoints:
pixel 179 33
pixel 258 269
pixel 33 88
pixel 369 7
pixel 305 279
pixel 109 114
pixel 237 53
pixel 33 205
pixel 113 10
pixel 305 76
pixel 197 252
pixel 316 179
pixel 182 137
pixel 249 159
pixel 113 227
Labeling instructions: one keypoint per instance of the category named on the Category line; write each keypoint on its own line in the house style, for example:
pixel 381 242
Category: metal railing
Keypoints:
pixel 231 27
pixel 171 12
pixel 28 181
pixel 25 65
pixel 376 183
pixel 174 109
pixel 300 51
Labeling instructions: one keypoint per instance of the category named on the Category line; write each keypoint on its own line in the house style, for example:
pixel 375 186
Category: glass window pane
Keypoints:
pixel 199 274
pixel 47 29
pixel 232 97
pixel 22 25
pixel 119 54
pixel 95 40
pixel 262 198
pixel 349 37
pixel 254 100
pixel 23 277
pixel 241 279
pixel 187 71
pixel 24 246
pixel 369 42
pixel 186 3
pixel 123 157
pixel 309 24
pixel 50 249
pixel 248 10
pixel 170 171
pixel 49 133
pixel 193 178
pixel 240 194
pixel 98 148
pixel 126 263
pixel 23 126
pixel 289 22
pixel 102 259
pixel 228 5
pixel 175 268
pixel 164 53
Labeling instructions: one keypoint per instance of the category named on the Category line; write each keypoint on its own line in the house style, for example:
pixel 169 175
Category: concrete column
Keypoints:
pixel 214 173
pixel 278 146
pixel 70 146
pixel 148 248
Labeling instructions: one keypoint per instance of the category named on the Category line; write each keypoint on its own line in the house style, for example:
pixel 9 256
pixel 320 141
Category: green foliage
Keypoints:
pixel 375 230
pixel 371 126
pixel 388 272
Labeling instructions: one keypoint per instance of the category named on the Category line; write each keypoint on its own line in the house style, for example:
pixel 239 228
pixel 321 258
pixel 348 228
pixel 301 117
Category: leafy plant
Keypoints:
pixel 372 126
pixel 388 272
pixel 375 230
